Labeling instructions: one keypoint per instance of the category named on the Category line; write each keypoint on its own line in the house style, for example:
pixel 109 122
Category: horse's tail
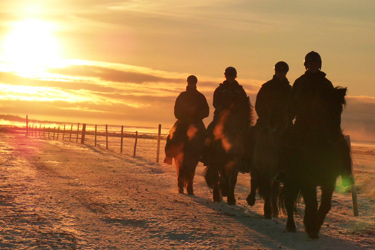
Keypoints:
pixel 282 197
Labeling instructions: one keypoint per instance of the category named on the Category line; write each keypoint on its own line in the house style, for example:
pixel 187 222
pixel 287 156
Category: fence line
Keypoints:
pixel 83 133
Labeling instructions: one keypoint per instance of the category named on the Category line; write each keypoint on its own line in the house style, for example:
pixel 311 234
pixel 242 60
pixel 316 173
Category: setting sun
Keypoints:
pixel 30 45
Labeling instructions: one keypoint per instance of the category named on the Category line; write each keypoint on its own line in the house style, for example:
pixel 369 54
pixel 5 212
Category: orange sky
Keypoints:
pixel 131 58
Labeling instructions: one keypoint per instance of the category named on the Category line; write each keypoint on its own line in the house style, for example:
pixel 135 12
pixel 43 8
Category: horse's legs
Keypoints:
pixel 231 200
pixel 311 211
pixel 180 179
pixel 275 189
pixel 325 204
pixel 216 190
pixel 253 188
pixel 265 190
pixel 291 193
pixel 190 180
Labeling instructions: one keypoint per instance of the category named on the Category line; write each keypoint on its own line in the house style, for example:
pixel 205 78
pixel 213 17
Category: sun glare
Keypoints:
pixel 30 46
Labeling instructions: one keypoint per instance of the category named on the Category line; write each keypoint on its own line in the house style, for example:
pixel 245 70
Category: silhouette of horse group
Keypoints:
pixel 310 157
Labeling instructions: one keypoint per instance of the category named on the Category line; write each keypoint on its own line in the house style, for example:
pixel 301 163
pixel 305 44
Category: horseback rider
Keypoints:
pixel 272 98
pixel 190 108
pixel 229 94
pixel 305 89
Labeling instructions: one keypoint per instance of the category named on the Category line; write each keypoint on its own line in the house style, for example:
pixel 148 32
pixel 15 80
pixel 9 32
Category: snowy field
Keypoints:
pixel 63 195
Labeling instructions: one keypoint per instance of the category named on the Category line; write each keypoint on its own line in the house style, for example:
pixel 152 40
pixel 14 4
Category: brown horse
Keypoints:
pixel 226 151
pixel 264 167
pixel 185 144
pixel 317 155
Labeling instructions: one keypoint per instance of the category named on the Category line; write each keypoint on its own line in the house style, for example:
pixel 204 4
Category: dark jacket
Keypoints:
pixel 228 94
pixel 272 101
pixel 191 106
pixel 304 92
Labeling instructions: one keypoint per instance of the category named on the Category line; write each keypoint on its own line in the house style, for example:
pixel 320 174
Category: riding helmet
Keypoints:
pixel 313 57
pixel 282 66
pixel 230 71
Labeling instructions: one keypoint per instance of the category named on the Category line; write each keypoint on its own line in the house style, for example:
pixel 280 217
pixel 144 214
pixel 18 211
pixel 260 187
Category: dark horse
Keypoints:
pixel 317 155
pixel 226 151
pixel 265 166
pixel 185 144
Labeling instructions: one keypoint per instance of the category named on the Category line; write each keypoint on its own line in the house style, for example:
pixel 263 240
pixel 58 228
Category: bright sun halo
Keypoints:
pixel 31 46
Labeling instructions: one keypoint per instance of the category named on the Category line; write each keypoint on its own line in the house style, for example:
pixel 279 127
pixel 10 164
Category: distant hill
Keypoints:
pixel 13 118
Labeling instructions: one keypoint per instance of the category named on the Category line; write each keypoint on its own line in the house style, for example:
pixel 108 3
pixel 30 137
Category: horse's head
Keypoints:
pixel 328 107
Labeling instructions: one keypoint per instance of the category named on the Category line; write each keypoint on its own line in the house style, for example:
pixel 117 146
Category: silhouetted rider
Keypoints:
pixel 191 107
pixel 230 92
pixel 272 98
pixel 230 95
pixel 304 93
pixel 305 89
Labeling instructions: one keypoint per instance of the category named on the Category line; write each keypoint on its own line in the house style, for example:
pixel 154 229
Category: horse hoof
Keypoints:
pixel 231 201
pixel 180 190
pixel 290 227
pixel 217 199
pixel 190 191
pixel 250 200
pixel 217 196
pixel 267 216
pixel 313 235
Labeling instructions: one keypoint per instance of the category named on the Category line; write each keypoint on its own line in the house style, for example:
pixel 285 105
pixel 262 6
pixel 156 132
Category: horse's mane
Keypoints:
pixel 326 108
pixel 341 93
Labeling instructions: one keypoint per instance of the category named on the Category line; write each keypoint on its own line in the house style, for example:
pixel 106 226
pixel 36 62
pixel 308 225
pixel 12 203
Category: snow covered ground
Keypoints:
pixel 63 195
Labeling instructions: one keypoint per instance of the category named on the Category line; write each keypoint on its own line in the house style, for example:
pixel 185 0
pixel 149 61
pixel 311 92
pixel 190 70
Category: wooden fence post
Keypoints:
pixel 27 125
pixel 64 134
pixel 158 146
pixel 40 128
pixel 54 132
pixel 106 136
pixel 77 133
pixel 135 143
pixel 49 129
pixel 96 129
pixel 44 131
pixel 58 132
pixel 353 187
pixel 71 130
pixel 83 133
pixel 122 138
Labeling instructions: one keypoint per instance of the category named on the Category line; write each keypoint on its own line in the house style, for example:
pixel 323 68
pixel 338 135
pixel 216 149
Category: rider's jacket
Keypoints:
pixel 230 94
pixel 191 106
pixel 272 100
pixel 304 92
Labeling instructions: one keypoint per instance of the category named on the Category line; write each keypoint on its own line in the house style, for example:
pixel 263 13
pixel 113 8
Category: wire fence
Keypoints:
pixel 147 143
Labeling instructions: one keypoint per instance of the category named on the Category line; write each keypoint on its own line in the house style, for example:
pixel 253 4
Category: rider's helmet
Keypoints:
pixel 313 57
pixel 282 66
pixel 230 71
pixel 192 79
